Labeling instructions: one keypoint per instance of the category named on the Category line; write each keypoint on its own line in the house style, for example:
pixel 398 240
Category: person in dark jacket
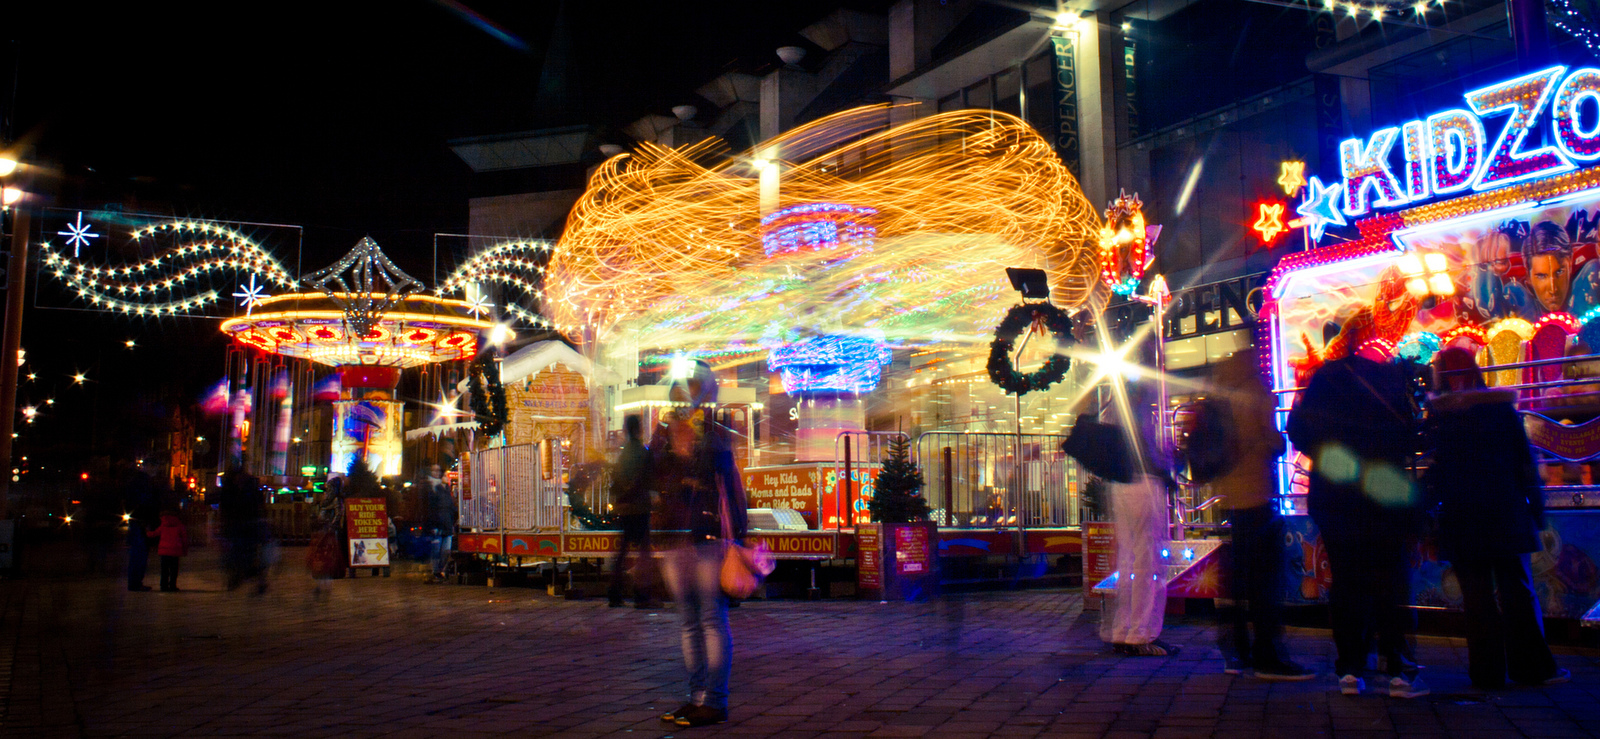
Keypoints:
pixel 631 502
pixel 443 516
pixel 241 509
pixel 144 515
pixel 695 469
pixel 1491 509
pixel 1357 423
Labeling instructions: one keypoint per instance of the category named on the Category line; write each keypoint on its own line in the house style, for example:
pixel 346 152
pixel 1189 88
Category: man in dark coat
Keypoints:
pixel 442 517
pixel 241 510
pixel 1357 423
pixel 1491 510
pixel 630 493
pixel 144 515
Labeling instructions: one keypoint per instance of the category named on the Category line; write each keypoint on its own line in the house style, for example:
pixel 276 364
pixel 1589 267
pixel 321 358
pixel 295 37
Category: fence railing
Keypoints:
pixel 974 479
pixel 509 490
pixel 857 457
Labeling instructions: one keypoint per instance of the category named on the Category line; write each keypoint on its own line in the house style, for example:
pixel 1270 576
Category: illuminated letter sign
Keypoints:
pixel 1416 157
pixel 1369 167
pixel 1576 140
pixel 1450 151
pixel 1523 97
pixel 1455 139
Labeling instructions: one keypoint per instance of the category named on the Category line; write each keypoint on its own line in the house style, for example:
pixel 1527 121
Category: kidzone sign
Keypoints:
pixel 1453 151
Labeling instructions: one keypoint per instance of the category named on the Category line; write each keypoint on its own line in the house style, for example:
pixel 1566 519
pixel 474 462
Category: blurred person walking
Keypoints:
pixel 1125 456
pixel 1358 424
pixel 172 544
pixel 139 500
pixel 242 511
pixel 631 502
pixel 1491 510
pixel 324 557
pixel 1240 444
pixel 442 519
pixel 696 472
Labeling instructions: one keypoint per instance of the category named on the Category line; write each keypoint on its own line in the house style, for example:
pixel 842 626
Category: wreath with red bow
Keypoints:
pixel 1001 370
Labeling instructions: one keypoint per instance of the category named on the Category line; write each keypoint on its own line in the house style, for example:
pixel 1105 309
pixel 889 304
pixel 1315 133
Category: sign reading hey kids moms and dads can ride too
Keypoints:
pixel 1452 152
pixel 812 490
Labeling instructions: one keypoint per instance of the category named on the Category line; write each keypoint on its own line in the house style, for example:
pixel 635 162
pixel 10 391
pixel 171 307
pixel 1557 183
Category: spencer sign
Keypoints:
pixel 1453 151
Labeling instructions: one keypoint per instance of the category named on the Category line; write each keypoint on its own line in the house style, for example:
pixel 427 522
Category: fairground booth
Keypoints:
pixel 1473 227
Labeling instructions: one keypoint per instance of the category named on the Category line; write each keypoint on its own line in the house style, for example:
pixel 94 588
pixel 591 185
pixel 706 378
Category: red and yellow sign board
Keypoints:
pixel 794 486
pixel 869 563
pixel 367 524
pixel 1100 552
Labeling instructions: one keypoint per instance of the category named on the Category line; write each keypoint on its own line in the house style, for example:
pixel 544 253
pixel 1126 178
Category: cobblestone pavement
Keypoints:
pixel 395 657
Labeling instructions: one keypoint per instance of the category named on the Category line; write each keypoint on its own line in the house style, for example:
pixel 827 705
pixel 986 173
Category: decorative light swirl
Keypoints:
pixel 685 223
pixel 172 279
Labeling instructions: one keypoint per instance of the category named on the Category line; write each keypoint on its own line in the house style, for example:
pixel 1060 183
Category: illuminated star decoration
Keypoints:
pixel 78 234
pixel 79 378
pixel 1270 224
pixel 251 294
pixel 1321 207
pixel 479 304
pixel 1292 177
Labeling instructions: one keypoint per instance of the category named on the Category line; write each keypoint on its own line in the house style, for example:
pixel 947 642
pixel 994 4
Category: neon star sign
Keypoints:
pixel 1292 177
pixel 1484 145
pixel 1270 222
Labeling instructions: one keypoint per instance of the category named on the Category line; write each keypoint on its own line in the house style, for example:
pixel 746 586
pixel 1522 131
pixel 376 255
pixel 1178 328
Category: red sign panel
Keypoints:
pixel 1099 552
pixel 912 553
pixel 869 554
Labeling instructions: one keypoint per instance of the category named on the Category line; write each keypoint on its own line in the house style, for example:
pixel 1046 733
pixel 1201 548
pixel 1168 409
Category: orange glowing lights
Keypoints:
pixel 1292 177
pixel 665 225
pixel 1270 221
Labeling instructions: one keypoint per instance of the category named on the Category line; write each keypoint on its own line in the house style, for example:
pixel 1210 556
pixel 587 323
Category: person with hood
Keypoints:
pixel 1357 423
pixel 694 468
pixel 631 503
pixel 1246 483
pixel 1491 510
pixel 172 544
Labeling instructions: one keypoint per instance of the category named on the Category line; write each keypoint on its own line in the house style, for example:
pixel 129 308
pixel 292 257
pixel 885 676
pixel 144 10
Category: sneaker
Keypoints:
pixel 1154 648
pixel 1234 666
pixel 679 712
pixel 702 716
pixel 1407 686
pixel 1284 671
pixel 1562 675
pixel 1351 685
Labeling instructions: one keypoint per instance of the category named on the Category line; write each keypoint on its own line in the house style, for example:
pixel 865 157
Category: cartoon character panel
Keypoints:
pixel 1512 284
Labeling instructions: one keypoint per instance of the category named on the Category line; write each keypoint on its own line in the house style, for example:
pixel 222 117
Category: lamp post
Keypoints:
pixel 11 341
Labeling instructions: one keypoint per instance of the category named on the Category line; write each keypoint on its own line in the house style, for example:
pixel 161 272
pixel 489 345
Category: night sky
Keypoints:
pixel 329 115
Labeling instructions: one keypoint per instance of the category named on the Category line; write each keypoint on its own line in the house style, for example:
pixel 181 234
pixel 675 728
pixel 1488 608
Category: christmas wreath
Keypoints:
pixel 578 481
pixel 1001 371
pixel 489 406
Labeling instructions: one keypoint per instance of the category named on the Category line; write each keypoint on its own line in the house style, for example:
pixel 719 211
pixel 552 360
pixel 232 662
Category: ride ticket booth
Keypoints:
pixel 1460 229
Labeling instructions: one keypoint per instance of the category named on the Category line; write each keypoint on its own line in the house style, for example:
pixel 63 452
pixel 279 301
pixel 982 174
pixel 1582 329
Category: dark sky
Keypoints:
pixel 334 115
pixel 330 115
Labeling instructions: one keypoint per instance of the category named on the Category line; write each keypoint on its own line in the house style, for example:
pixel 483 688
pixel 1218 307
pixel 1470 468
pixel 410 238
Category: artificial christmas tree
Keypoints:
pixel 898 496
pixel 899 551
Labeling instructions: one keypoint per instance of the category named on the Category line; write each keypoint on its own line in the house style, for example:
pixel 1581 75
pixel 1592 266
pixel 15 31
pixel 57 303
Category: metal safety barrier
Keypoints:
pixel 974 479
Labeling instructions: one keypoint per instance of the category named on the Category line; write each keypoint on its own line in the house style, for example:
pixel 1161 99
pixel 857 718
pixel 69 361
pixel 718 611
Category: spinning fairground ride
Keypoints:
pixel 1468 235
pixel 314 365
pixel 847 282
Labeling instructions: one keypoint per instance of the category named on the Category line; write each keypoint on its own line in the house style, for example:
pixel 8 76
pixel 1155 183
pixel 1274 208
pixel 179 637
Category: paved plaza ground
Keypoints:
pixel 81 656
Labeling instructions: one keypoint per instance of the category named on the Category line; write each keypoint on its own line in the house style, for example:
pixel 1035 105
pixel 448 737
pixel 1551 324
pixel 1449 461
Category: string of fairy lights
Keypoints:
pixel 670 241
pixel 164 277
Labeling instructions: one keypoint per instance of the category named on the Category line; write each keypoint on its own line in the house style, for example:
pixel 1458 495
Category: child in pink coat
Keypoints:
pixel 172 542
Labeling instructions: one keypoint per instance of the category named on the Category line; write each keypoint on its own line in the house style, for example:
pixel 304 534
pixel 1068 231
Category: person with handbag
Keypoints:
pixel 694 467
pixel 1491 510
